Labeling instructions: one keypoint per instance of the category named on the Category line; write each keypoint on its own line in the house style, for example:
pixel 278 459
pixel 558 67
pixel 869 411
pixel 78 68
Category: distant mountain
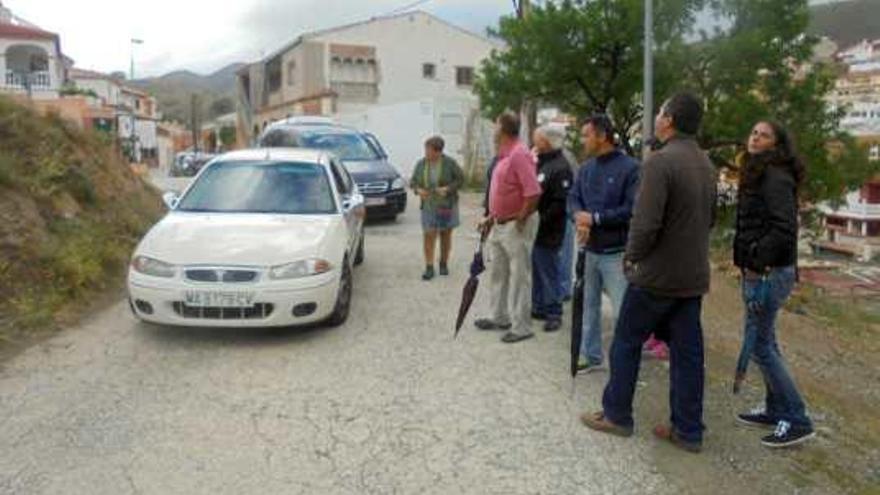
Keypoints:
pixel 174 91
pixel 847 22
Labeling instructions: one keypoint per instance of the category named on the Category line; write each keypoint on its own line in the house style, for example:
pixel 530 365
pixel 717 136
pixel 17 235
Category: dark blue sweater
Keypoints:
pixel 606 187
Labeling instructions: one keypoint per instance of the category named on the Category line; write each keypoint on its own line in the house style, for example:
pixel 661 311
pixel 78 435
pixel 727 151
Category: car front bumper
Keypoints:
pixel 274 303
pixel 394 204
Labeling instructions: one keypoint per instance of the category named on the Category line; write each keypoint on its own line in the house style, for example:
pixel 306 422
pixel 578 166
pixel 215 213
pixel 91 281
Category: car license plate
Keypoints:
pixel 219 299
pixel 374 201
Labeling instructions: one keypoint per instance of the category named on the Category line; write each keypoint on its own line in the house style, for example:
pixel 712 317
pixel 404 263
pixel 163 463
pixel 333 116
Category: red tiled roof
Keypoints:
pixel 24 32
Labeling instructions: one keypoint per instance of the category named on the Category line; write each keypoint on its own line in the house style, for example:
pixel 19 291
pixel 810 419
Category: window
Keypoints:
pixel 343 182
pixel 429 71
pixel 291 73
pixel 255 187
pixel 874 153
pixel 464 76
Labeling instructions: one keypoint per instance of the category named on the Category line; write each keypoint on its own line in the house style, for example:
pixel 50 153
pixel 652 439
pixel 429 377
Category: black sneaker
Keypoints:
pixel 444 270
pixel 538 316
pixel 429 273
pixel 756 417
pixel 787 435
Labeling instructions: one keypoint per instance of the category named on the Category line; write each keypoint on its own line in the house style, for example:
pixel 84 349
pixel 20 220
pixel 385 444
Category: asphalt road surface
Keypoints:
pixel 387 403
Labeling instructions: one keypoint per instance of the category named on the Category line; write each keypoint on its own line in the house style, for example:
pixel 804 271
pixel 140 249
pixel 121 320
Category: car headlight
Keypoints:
pixel 300 269
pixel 397 183
pixel 153 267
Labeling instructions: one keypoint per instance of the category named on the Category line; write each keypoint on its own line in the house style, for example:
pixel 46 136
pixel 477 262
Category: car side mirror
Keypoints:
pixel 171 199
pixel 353 202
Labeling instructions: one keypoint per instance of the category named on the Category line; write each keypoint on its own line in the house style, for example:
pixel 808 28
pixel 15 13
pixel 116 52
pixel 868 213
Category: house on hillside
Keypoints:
pixel 853 228
pixel 135 112
pixel 31 61
pixel 402 77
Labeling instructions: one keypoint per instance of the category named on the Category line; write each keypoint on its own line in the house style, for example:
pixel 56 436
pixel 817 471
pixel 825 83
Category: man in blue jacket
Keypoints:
pixel 602 202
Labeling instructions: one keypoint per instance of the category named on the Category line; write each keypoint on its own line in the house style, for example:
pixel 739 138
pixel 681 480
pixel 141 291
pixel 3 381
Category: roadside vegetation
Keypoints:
pixel 70 213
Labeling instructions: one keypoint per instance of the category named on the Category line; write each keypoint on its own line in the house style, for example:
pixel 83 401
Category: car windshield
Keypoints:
pixel 349 146
pixel 259 187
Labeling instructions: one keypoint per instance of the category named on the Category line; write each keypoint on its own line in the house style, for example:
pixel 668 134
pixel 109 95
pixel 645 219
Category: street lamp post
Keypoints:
pixel 648 117
pixel 134 138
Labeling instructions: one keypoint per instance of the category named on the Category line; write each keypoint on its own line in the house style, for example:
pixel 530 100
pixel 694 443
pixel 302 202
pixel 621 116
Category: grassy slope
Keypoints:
pixel 70 213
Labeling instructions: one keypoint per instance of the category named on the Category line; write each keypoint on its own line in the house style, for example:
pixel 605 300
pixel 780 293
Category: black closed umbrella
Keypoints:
pixel 470 288
pixel 577 311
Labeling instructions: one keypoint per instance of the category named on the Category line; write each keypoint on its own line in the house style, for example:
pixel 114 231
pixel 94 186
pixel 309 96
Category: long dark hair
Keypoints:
pixel 782 155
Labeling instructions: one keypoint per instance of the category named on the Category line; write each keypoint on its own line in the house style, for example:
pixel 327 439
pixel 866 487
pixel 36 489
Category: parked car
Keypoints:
pixel 261 238
pixel 380 183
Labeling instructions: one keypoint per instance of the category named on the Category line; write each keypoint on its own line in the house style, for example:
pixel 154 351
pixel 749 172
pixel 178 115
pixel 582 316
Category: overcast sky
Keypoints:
pixel 206 35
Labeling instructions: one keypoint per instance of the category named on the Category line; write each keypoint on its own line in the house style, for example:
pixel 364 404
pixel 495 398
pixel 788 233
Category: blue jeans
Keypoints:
pixel 643 312
pixel 566 259
pixel 546 293
pixel 783 401
pixel 602 272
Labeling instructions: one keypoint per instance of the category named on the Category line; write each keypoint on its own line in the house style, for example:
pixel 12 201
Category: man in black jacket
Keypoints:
pixel 667 265
pixel 555 175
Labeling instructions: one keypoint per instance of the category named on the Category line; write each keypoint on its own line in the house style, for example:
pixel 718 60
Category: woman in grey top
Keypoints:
pixel 437 179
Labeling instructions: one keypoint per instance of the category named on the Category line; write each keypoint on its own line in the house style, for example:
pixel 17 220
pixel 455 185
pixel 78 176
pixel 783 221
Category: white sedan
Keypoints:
pixel 261 238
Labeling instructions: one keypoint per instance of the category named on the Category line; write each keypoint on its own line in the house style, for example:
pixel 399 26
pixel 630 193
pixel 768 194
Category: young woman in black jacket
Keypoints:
pixel 765 249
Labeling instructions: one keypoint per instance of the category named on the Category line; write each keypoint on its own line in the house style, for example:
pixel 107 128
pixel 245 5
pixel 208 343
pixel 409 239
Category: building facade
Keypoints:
pixel 31 61
pixel 368 74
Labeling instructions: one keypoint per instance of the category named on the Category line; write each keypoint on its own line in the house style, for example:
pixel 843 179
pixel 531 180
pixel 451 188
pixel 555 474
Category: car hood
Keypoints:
pixel 371 170
pixel 239 239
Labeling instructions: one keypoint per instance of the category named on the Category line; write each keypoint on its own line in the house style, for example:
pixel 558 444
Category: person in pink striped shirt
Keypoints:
pixel 514 192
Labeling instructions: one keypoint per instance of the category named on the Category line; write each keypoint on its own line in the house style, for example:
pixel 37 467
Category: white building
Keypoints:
pixel 863 57
pixel 402 77
pixel 31 61
pixel 136 111
pixel 105 87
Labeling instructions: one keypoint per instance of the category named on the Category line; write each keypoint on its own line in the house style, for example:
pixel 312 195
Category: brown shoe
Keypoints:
pixel 597 421
pixel 667 433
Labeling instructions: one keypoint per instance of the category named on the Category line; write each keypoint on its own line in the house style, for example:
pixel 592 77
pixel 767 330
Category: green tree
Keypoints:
pixel 584 56
pixel 762 68
pixel 222 106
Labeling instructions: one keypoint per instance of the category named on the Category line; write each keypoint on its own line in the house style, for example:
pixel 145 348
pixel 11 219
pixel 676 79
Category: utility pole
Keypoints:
pixel 135 145
pixel 194 121
pixel 134 41
pixel 648 117
pixel 528 112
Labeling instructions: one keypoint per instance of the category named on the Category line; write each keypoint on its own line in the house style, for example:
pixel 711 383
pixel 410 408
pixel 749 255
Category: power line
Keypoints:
pixel 408 7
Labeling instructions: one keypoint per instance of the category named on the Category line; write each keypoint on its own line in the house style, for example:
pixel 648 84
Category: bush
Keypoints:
pixel 91 208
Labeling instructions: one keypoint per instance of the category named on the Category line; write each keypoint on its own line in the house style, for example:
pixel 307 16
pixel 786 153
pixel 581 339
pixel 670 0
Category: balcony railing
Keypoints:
pixel 356 91
pixel 860 210
pixel 38 80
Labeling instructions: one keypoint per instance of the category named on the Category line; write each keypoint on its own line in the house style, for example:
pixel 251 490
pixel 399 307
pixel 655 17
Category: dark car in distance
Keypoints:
pixel 382 186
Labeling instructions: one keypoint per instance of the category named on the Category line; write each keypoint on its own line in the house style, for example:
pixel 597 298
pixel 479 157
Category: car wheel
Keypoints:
pixel 343 299
pixel 359 256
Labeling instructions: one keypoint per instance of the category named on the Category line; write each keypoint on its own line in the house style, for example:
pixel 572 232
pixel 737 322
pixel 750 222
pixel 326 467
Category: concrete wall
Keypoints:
pixel 402 128
pixel 106 90
pixel 404 43
pixel 308 77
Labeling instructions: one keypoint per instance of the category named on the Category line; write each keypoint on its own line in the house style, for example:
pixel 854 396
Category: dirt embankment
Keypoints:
pixel 70 213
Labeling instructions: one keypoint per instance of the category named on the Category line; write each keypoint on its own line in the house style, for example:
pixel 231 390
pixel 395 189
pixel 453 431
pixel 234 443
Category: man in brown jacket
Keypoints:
pixel 667 265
